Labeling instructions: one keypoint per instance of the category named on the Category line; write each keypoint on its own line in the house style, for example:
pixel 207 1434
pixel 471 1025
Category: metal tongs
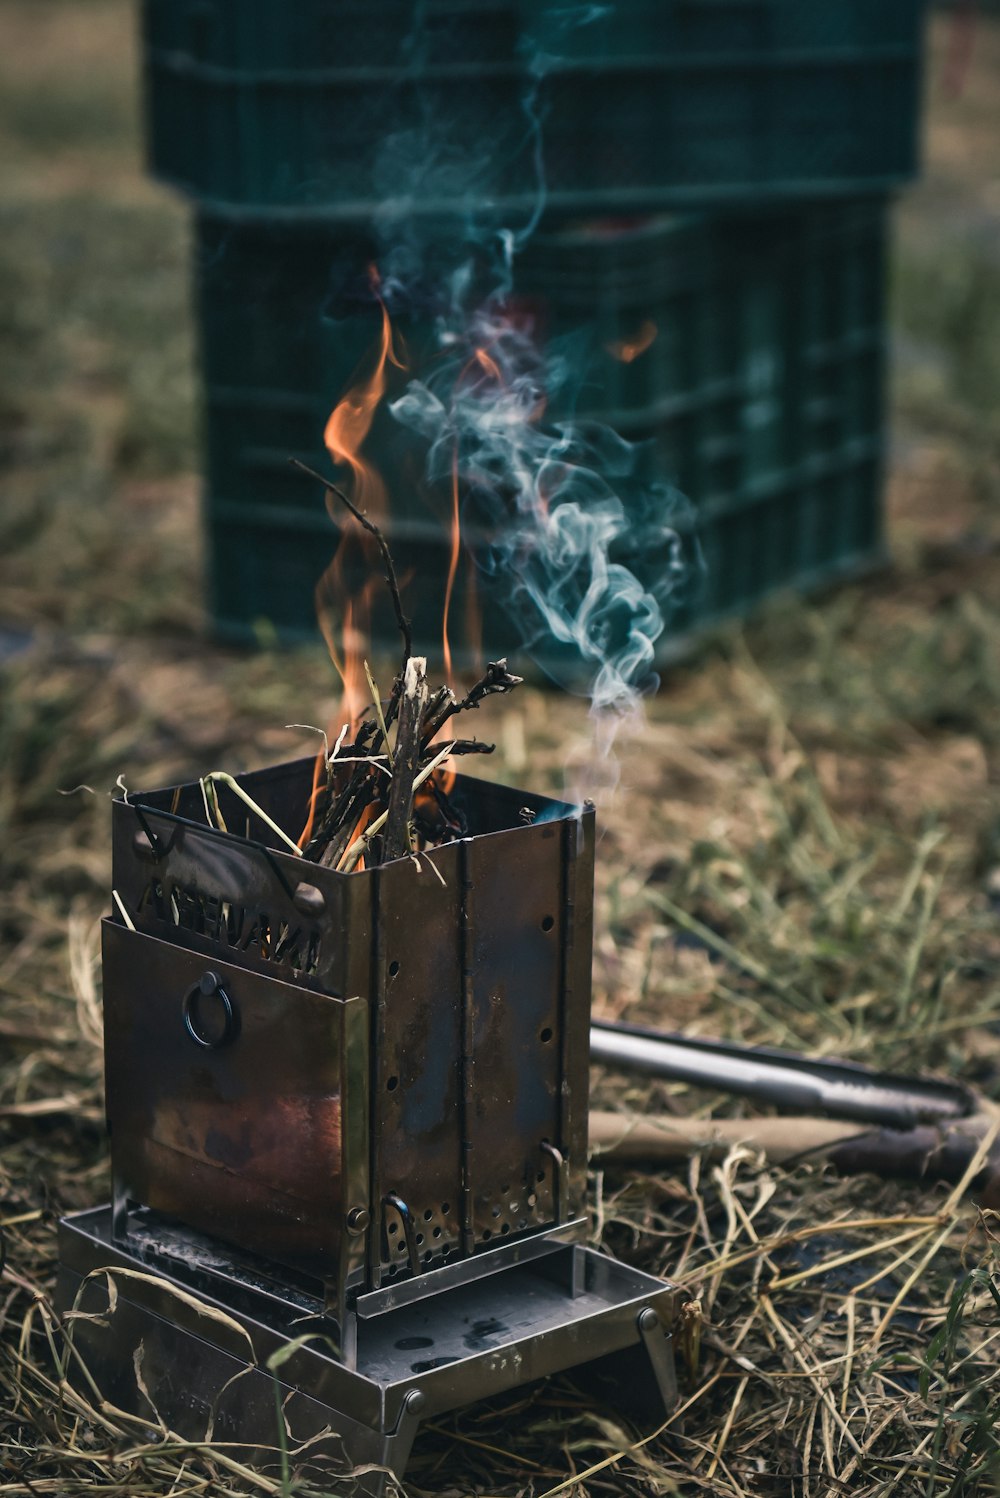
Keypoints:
pixel 838 1089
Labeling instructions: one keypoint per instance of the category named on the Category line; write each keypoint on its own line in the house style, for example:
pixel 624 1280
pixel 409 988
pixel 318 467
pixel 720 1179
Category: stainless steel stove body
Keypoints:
pixel 354 1104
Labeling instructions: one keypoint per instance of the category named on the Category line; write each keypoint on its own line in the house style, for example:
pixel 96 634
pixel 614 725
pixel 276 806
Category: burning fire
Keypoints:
pixel 351 418
pixel 346 431
pixel 348 426
pixel 627 350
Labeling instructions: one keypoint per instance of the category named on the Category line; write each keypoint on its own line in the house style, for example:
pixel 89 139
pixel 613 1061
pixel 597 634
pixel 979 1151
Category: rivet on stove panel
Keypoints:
pixel 309 900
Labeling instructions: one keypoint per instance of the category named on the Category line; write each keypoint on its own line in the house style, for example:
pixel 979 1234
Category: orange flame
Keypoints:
pixel 480 360
pixel 346 429
pixel 630 349
pixel 351 419
pixel 445 777
pixel 317 783
pixel 424 801
pixel 488 365
pixel 347 654
pixel 362 824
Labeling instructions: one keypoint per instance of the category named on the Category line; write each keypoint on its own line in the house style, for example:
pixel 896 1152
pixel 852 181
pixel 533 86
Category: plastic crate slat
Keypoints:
pixel 259 103
pixel 760 396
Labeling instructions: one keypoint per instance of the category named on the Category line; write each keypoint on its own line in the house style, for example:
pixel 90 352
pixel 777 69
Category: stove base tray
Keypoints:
pixel 188 1350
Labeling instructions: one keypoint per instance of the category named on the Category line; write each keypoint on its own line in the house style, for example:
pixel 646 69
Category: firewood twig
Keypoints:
pixel 412 705
pixel 373 530
pixel 495 680
pixel 357 848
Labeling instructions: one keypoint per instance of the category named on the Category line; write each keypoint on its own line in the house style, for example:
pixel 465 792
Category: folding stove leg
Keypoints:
pixel 119 1211
pixel 348 1323
pixel 387 1452
pixel 622 1380
pixel 397 1445
pixel 660 1347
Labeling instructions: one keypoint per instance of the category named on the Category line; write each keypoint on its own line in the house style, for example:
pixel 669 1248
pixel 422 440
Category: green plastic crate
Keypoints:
pixel 760 398
pixel 340 108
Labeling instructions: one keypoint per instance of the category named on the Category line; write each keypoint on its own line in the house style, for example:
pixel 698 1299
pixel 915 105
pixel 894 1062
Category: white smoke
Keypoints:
pixel 548 495
pixel 584 554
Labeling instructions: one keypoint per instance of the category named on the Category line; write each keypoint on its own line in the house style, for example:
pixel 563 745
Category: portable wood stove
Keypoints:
pixel 347 1111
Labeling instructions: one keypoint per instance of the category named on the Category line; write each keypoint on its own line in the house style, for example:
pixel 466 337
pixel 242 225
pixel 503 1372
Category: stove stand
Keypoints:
pixel 194 1324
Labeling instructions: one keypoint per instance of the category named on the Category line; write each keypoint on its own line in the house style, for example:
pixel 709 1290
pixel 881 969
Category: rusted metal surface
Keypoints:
pixel 352 1106
pixel 241 1137
pixel 292 1053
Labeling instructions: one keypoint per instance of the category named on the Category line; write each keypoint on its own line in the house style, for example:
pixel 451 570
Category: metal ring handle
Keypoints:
pixel 209 985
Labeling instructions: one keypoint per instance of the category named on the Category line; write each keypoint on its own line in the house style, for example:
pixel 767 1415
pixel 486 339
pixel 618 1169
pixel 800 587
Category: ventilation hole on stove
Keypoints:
pixel 445 1208
pixel 428 1214
pixel 393 1083
pixel 532 1199
pixel 514 1206
pixel 495 1212
pixel 505 1227
pixel 394 1227
pixel 486 1235
pixel 420 1237
pixel 436 1233
pixel 540 1176
pixel 393 969
pixel 548 922
pixel 411 1344
pixel 545 1035
pixel 429 1257
pixel 522 1222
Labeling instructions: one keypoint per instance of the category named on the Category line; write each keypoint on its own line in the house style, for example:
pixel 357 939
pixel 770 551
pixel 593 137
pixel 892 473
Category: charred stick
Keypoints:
pixel 365 750
pixel 373 530
pixel 351 809
pixel 460 746
pixel 439 709
pixel 342 839
pixel 495 680
pixel 412 705
pixel 455 820
pixel 357 849
pixel 338 808
pixel 343 811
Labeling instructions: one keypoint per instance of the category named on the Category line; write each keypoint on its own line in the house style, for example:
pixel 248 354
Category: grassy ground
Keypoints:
pixel 820 790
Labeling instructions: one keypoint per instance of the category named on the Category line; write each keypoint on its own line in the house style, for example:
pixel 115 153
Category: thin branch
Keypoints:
pixel 495 680
pixel 412 703
pixel 369 525
pixel 356 849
